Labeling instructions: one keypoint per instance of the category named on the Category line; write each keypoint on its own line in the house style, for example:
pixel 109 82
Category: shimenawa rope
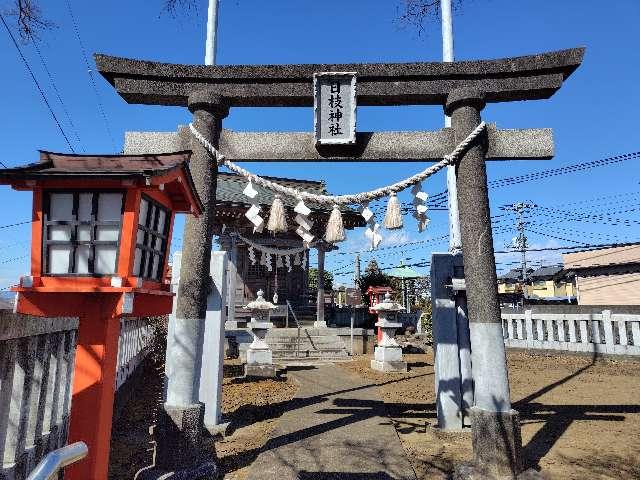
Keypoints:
pixel 330 200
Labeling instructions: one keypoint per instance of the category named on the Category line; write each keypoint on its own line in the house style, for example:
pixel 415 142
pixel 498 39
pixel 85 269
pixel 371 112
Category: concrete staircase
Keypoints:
pixel 315 345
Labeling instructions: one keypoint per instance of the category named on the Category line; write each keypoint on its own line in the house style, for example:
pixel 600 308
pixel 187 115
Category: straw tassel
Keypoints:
pixel 277 218
pixel 393 218
pixel 335 228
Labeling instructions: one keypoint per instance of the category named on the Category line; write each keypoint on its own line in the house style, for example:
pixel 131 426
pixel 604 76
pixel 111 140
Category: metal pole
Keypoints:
pixel 56 460
pixel 212 33
pixel 455 244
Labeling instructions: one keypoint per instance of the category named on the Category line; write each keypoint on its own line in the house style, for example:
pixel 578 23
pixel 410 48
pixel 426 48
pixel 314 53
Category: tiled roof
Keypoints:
pixel 546 272
pixel 82 165
pixel 230 187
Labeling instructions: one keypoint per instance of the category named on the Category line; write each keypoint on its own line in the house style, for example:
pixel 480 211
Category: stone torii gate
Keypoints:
pixel 462 88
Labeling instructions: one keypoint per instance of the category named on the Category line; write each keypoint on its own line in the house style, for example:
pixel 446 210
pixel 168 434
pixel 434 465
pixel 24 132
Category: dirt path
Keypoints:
pixel 581 420
pixel 336 427
pixel 252 406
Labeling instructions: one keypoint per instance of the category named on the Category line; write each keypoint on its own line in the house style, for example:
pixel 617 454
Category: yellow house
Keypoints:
pixel 544 283
pixel 550 282
pixel 511 282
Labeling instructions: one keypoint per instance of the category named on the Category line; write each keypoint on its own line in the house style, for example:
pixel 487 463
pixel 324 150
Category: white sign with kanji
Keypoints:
pixel 335 107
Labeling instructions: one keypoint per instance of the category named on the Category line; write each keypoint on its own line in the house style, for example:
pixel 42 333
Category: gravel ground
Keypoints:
pixel 581 419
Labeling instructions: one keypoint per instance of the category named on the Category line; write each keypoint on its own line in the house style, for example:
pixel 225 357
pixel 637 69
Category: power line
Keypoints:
pixel 90 72
pixel 57 92
pixel 440 197
pixel 15 224
pixel 35 81
pixel 14 259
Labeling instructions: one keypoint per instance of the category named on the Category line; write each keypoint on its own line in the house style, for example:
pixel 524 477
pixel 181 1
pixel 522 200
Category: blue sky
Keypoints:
pixel 595 114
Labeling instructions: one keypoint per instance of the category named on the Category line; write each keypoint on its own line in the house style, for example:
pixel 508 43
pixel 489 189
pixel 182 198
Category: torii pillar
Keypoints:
pixel 180 452
pixel 496 439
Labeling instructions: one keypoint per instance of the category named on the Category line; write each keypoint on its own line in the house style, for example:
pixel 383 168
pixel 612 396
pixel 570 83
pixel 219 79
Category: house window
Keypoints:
pixel 151 240
pixel 82 232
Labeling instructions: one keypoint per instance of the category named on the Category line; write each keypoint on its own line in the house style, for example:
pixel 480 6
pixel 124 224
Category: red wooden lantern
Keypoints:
pixel 101 232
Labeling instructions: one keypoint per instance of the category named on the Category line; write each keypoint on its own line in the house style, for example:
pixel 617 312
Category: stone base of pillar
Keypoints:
pixel 470 471
pixel 179 452
pixel 389 366
pixel 320 324
pixel 219 429
pixel 388 359
pixel 497 447
pixel 234 324
pixel 260 370
pixel 259 357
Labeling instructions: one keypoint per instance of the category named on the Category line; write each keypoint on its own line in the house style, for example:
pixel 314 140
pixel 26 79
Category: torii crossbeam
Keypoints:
pixel 462 88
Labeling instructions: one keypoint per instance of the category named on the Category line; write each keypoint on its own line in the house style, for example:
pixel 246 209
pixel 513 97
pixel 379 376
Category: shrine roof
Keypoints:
pixel 147 167
pixel 230 187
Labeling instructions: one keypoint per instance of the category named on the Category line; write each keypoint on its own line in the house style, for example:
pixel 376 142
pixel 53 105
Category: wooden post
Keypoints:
pixel 93 390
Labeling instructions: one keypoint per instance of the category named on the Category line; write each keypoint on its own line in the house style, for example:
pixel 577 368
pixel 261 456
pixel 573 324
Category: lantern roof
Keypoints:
pixel 171 170
pixel 260 303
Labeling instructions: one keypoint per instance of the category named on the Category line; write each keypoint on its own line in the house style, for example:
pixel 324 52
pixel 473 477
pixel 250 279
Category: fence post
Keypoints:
pixel 608 331
pixel 528 327
pixel 622 332
pixel 549 325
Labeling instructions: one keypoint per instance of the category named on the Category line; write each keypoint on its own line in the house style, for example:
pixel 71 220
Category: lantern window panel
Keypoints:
pixel 81 234
pixel 151 240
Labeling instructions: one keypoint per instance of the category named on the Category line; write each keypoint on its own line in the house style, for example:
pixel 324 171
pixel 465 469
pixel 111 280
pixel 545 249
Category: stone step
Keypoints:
pixel 293 361
pixel 316 355
pixel 339 349
pixel 313 341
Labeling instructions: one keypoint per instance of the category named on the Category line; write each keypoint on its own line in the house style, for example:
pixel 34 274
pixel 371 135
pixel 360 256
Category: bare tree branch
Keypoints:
pixel 173 7
pixel 417 13
pixel 30 22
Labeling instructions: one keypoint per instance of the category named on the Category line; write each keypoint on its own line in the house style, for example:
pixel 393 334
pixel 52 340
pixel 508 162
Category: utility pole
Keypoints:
pixel 520 243
pixel 455 245
pixel 356 273
pixel 212 33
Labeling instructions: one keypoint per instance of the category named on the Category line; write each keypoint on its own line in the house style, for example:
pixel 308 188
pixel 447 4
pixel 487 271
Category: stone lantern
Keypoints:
pixel 388 354
pixel 259 355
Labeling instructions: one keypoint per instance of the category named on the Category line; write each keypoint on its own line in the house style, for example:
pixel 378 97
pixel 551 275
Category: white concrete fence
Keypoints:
pixel 607 333
pixel 36 374
pixel 134 344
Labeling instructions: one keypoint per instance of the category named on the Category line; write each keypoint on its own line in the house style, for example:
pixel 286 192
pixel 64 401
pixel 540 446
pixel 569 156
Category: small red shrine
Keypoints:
pixel 101 232
pixel 376 296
